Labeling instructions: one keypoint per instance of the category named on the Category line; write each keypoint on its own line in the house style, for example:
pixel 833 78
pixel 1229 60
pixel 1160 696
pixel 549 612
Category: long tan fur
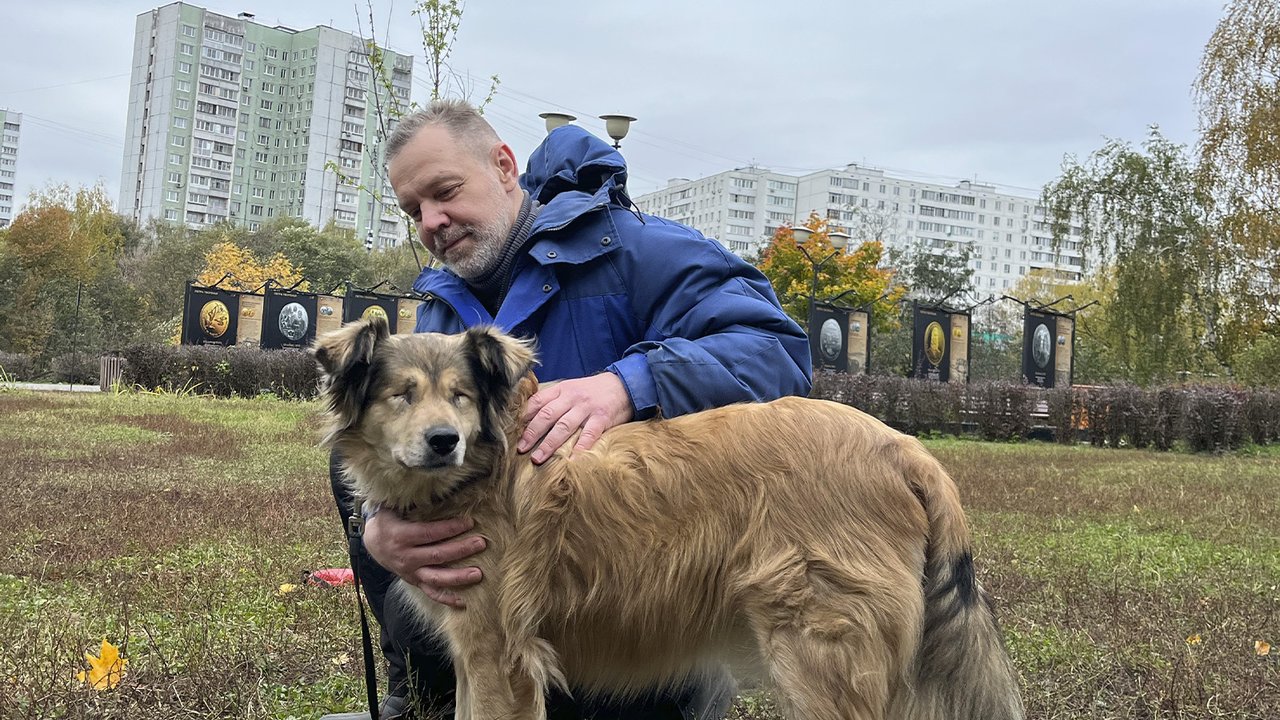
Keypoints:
pixel 801 538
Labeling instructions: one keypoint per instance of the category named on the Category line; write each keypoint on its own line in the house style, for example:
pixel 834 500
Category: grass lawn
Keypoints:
pixel 1130 584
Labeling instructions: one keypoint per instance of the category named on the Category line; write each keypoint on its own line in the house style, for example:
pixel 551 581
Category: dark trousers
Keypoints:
pixel 418 666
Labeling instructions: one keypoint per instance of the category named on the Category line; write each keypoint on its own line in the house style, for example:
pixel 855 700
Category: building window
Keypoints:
pixel 189 30
pixel 184 67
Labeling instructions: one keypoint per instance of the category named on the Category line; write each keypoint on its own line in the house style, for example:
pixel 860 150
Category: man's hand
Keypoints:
pixel 417 551
pixel 592 405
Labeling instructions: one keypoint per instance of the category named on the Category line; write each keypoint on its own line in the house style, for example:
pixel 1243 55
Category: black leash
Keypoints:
pixel 355 531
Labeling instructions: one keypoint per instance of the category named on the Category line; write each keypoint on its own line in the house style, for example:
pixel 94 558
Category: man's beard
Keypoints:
pixel 487 242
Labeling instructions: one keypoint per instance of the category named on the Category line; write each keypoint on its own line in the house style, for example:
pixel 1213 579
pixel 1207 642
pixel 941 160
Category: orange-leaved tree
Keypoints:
pixel 851 278
pixel 237 269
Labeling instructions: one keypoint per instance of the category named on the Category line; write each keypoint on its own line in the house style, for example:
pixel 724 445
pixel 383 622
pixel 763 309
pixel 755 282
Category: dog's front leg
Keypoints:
pixel 462 698
pixel 492 687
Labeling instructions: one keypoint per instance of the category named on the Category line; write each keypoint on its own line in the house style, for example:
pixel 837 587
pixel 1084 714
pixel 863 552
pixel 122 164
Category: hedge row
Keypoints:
pixel 221 371
pixel 1199 417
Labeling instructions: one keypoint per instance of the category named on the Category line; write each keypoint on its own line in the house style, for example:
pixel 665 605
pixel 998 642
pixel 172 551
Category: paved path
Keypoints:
pixel 62 387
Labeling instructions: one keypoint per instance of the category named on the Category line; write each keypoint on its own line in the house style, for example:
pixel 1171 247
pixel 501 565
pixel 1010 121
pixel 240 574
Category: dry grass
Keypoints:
pixel 167 524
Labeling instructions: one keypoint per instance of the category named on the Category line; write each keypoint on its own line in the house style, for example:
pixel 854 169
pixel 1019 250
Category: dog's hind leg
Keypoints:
pixel 825 678
pixel 834 646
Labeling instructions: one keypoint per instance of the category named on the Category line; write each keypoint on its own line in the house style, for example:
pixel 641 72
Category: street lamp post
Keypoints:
pixel 616 126
pixel 839 239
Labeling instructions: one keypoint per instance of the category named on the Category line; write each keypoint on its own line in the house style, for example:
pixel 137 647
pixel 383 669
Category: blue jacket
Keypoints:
pixel 684 323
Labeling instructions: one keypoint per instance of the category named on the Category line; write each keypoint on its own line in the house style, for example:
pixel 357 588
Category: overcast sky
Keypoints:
pixel 940 90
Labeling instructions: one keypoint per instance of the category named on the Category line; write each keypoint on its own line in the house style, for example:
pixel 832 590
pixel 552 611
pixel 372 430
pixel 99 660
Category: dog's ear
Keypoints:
pixel 346 358
pixel 498 363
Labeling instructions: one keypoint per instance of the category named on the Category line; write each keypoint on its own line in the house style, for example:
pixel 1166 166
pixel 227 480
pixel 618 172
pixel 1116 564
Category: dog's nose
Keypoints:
pixel 442 440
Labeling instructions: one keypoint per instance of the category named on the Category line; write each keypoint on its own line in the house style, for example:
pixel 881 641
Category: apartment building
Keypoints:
pixel 233 120
pixel 12 123
pixel 1008 233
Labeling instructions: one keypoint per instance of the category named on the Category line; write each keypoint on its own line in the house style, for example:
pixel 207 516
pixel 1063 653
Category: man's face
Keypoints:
pixel 459 201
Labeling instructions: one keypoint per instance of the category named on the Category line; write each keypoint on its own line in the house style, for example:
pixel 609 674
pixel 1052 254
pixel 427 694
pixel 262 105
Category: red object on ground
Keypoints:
pixel 330 577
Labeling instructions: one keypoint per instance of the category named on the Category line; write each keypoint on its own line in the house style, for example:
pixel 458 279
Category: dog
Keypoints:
pixel 800 538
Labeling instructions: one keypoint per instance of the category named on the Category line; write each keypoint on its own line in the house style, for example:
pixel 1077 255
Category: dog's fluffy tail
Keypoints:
pixel 962 670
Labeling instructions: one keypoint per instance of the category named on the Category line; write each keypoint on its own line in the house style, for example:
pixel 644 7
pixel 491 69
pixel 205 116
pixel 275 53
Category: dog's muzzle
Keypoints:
pixel 444 446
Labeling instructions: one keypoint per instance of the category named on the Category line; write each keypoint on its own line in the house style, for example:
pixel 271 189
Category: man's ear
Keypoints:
pixel 504 159
pixel 498 363
pixel 346 358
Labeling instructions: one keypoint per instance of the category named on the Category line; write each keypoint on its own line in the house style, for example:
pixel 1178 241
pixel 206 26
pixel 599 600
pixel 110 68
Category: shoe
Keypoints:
pixel 393 707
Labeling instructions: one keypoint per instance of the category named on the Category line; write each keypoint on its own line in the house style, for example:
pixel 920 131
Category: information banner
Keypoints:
pixel 209 316
pixel 289 320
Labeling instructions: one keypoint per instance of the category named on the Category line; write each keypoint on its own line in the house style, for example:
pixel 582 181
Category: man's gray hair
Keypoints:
pixel 463 120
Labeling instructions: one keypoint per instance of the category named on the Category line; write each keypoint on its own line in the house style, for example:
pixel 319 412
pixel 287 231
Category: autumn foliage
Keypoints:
pixel 850 278
pixel 237 269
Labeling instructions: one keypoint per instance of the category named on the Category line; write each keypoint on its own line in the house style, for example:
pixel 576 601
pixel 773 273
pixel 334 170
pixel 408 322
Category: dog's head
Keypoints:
pixel 415 415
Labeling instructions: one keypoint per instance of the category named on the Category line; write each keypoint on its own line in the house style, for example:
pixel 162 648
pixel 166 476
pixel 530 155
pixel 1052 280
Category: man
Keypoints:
pixel 634 315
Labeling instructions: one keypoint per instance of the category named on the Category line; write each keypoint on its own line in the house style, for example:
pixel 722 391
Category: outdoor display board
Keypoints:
pixel 249 332
pixel 280 318
pixel 328 313
pixel 209 316
pixel 362 305
pixel 828 338
pixel 1063 356
pixel 406 315
pixel 289 319
pixel 959 349
pixel 1047 341
pixel 935 354
pixel 859 344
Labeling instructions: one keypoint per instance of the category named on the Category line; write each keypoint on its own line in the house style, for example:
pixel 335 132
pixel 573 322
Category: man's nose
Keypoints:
pixel 433 220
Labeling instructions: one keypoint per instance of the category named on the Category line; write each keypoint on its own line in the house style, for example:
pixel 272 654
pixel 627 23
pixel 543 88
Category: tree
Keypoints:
pixel 851 278
pixel 439 21
pixel 1238 93
pixel 158 269
pixel 1144 214
pixel 935 277
pixel 58 246
pixel 235 268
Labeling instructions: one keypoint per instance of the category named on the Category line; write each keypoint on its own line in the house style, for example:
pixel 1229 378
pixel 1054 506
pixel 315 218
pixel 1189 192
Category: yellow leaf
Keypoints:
pixel 1262 647
pixel 286 588
pixel 1194 639
pixel 106 670
pixel 342 659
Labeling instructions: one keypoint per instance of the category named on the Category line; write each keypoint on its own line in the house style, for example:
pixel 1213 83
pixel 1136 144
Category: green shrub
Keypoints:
pixel 1213 419
pixel 1259 364
pixel 222 371
pixel 80 368
pixel 17 366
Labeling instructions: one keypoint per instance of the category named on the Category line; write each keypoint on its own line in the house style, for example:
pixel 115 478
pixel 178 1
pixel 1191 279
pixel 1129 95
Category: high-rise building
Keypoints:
pixel 12 123
pixel 232 120
pixel 1008 234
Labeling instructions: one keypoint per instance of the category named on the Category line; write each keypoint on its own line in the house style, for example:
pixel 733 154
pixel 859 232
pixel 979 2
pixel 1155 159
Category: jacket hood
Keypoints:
pixel 573 160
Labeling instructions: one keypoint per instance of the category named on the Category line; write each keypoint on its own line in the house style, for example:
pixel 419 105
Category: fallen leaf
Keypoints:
pixel 286 588
pixel 1194 639
pixel 342 659
pixel 1262 647
pixel 106 669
